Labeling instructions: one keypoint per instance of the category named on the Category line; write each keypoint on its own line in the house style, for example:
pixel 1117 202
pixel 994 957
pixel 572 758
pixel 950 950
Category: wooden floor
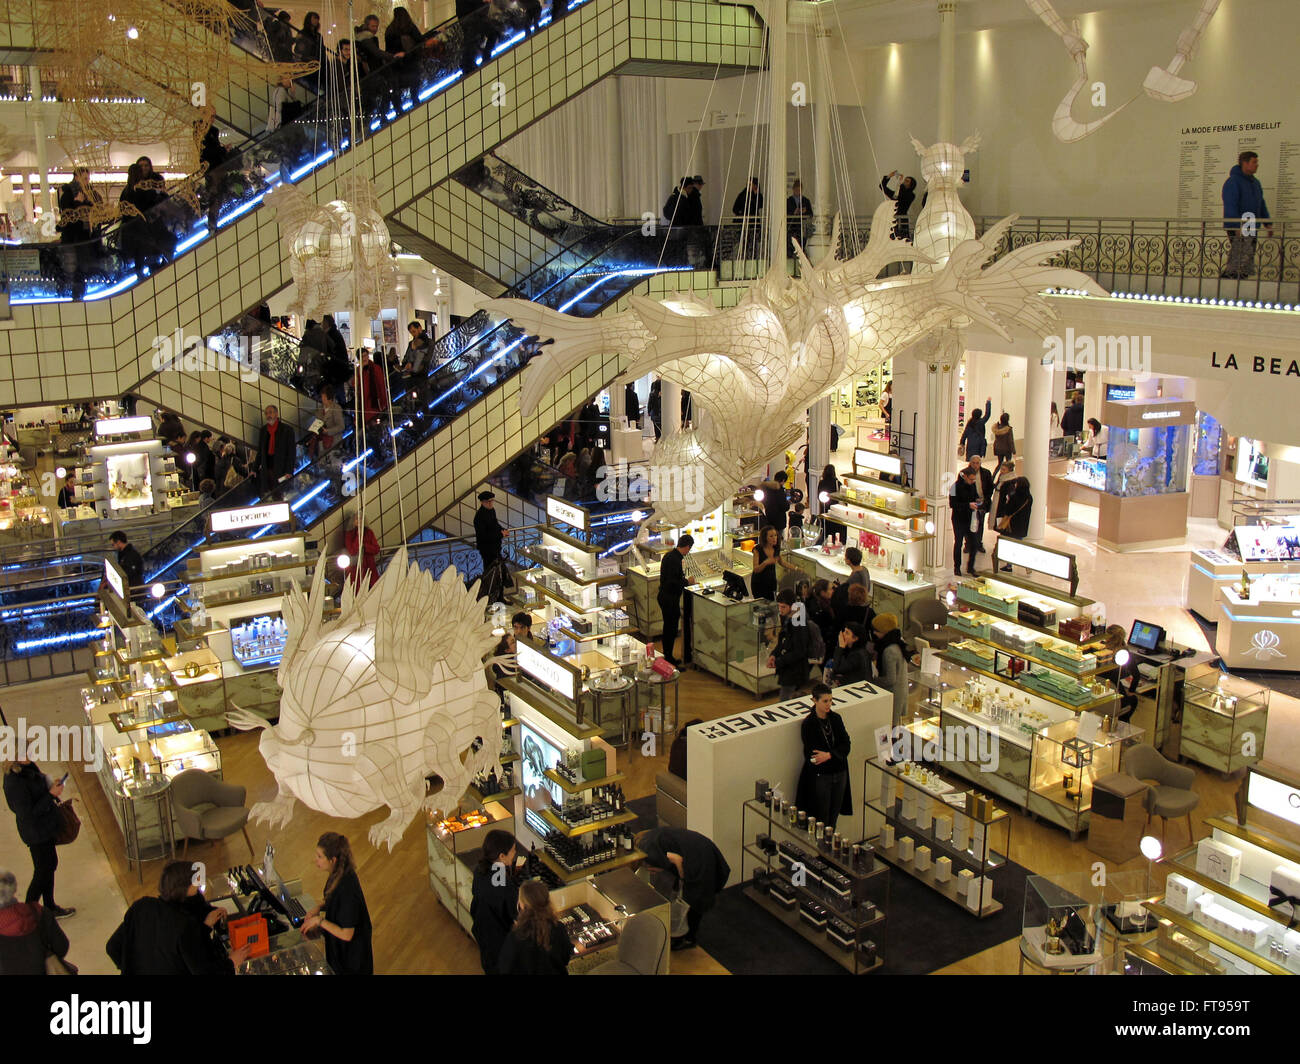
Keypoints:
pixel 414 934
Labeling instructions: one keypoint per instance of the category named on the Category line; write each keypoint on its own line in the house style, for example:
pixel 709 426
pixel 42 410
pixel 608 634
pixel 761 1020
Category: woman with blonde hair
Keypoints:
pixel 537 944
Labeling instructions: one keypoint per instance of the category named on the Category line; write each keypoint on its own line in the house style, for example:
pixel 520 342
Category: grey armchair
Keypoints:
pixel 641 950
pixel 928 619
pixel 1171 793
pixel 208 808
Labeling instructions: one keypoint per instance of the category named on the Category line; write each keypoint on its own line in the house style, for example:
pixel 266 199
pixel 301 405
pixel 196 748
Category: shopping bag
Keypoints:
pixel 69 824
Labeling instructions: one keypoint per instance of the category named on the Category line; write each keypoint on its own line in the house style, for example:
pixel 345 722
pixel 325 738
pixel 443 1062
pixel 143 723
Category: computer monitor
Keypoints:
pixel 734 585
pixel 1146 636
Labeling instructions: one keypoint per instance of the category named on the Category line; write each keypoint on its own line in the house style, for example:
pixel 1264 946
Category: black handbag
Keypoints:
pixel 69 823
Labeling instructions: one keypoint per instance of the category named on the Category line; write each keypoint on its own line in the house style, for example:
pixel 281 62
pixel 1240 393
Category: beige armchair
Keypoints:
pixel 208 808
pixel 641 950
pixel 1171 793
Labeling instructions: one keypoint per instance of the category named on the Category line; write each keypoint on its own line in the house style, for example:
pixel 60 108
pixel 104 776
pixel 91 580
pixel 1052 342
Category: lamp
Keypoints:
pixel 1122 658
pixel 157 591
pixel 1152 851
pixel 189 457
pixel 344 560
pixel 929 528
pixel 823 497
pixel 758 494
pixel 60 473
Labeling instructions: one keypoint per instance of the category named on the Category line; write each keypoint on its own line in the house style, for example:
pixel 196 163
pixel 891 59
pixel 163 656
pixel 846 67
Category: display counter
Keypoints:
pixel 732 638
pixel 289 952
pixel 1260 629
pixel 1225 720
pixel 891 592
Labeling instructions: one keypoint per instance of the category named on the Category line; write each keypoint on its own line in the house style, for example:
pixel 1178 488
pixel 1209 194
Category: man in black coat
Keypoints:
pixel 488 534
pixel 984 486
pixel 967 520
pixel 776 503
pixel 672 585
pixel 699 865
pixel 129 559
pixel 34 802
pixel 276 451
pixel 790 656
pixel 1072 419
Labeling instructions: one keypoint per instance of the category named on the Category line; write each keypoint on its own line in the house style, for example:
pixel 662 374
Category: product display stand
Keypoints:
pixel 833 901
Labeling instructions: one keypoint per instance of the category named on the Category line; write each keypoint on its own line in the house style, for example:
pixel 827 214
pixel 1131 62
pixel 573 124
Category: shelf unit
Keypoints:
pixel 899 803
pixel 864 910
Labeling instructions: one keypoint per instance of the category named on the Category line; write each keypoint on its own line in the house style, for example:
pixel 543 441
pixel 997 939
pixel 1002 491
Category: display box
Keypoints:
pixel 1219 861
pixel 943 870
pixel 923 857
pixel 1181 893
pixel 1060 924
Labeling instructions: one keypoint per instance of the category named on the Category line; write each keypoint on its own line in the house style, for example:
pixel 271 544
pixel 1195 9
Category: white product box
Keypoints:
pixel 887 784
pixel 909 806
pixel 976 837
pixel 943 827
pixel 960 830
pixel 1291 940
pixel 1219 861
pixel 943 870
pixel 980 892
pixel 923 857
pixel 1286 879
pixel 887 836
pixel 1181 893
pixel 924 805
pixel 906 848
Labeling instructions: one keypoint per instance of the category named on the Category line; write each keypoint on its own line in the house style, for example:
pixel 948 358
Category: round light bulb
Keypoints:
pixel 824 497
pixel 157 591
pixel 132 32
pixel 344 560
pixel 951 598
pixel 1151 848
pixel 189 457
pixel 638 515
pixel 759 495
pixel 60 472
pixel 1122 657
pixel 929 528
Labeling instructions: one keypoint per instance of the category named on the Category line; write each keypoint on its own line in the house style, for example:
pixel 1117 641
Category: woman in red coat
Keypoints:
pixel 368 548
pixel 374 388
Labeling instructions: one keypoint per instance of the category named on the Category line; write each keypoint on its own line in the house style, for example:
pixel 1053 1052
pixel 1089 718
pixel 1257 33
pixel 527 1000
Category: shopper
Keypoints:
pixel 973 440
pixel 790 656
pixel 984 488
pixel 903 200
pixel 402 37
pixel 143 235
pixel 128 558
pixel 172 933
pixel 821 613
pixel 776 503
pixel 538 943
pixel 1096 445
pixel 701 871
pixel 827 486
pixel 29 933
pixel 363 549
pixel 337 367
pixel 80 239
pixel 488 533
pixel 855 607
pixel 1072 419
pixel 967 520
pixel 373 400
pixel 67 498
pixel 887 403
pixel 1115 639
pixel 33 798
pixel 654 407
pixel 1014 507
pixel 1243 209
pixel 851 663
pixel 891 661
pixel 824 789
pixel 309 46
pixel 494 893
pixel 631 405
pixel 690 210
pixel 767 557
pixel 1004 439
pixel 1054 423
pixel 331 420
pixel 231 469
pixel 798 218
pixel 276 452
pixel 858 575
pixel 672 585
pixel 344 920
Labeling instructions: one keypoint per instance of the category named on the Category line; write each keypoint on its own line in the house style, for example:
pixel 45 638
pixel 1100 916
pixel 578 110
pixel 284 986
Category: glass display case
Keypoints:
pixel 925 824
pixel 1068 757
pixel 1208 445
pixel 1225 719
pixel 1059 929
pixel 1090 472
pixel 752 630
pixel 1146 461
pixel 834 893
pixel 453 843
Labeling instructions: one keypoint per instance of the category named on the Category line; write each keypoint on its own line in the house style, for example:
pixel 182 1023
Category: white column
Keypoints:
pixel 823 208
pixel 774 216
pixel 670 397
pixel 617 401
pixel 947 68
pixel 44 197
pixel 819 447
pixel 934 475
pixel 1037 430
pixel 1058 393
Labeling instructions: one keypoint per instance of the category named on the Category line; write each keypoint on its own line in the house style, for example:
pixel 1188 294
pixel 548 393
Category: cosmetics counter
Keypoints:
pixel 264 912
pixel 1265 546
pixel 888 522
pixel 22 517
pixel 1141 484
pixel 1231 900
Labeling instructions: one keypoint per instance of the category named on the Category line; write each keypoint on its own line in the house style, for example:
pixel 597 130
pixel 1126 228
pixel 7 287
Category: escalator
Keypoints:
pixel 427 120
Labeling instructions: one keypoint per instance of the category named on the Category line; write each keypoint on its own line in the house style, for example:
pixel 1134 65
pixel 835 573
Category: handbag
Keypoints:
pixel 232 479
pixel 1004 523
pixel 56 965
pixel 69 824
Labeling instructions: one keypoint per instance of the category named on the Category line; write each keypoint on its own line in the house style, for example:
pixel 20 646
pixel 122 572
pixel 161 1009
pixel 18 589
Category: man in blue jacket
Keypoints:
pixel 1243 209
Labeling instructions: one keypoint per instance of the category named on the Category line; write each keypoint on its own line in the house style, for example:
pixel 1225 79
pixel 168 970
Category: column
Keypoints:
pixel 670 395
pixel 44 199
pixel 823 208
pixel 947 67
pixel 819 447
pixel 774 216
pixel 936 462
pixel 1037 431
pixel 617 402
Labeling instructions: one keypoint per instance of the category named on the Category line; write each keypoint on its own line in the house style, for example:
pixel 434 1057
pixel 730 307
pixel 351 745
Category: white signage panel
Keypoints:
pixel 115 578
pixel 1017 552
pixel 563 511
pixel 545 670
pixel 882 463
pixel 275 513
pixel 123 426
pixel 1274 797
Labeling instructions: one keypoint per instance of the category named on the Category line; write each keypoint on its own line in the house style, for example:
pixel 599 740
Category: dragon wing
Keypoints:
pixel 303 621
pixel 881 250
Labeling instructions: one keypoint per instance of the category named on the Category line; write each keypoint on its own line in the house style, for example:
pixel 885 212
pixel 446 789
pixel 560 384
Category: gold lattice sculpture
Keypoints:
pixel 176 54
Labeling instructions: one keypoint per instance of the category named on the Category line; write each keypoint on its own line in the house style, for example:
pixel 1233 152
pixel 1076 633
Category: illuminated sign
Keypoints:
pixel 1160 415
pixel 546 670
pixel 1264 645
pixel 123 426
pixel 562 511
pixel 1273 796
pixel 1017 552
pixel 115 578
pixel 275 513
pixel 881 463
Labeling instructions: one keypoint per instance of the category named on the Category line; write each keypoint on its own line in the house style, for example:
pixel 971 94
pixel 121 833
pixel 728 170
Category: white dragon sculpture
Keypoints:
pixel 378 699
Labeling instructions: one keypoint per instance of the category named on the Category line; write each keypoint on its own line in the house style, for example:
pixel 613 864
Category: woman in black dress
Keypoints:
pixel 767 556
pixel 824 782
pixel 495 898
pixel 827 486
pixel 345 919
pixel 699 866
pixel 537 945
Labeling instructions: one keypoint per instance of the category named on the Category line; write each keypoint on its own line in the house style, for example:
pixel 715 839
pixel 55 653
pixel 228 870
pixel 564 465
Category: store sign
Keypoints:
pixel 1160 415
pixel 123 426
pixel 1273 367
pixel 562 511
pixel 546 670
pixel 276 513
pixel 882 463
pixel 796 709
pixel 115 578
pixel 1017 552
pixel 1273 796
